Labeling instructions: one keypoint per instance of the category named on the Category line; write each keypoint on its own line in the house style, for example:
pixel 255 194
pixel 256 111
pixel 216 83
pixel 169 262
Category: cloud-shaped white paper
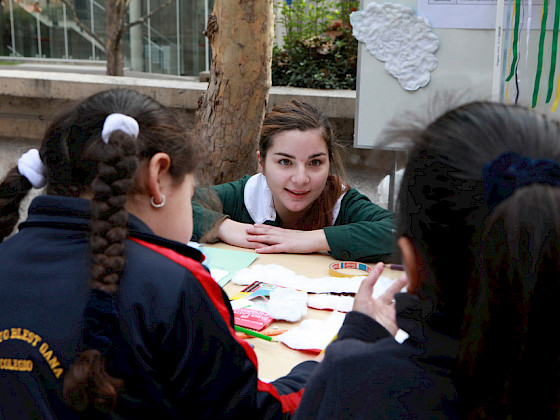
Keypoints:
pixel 395 34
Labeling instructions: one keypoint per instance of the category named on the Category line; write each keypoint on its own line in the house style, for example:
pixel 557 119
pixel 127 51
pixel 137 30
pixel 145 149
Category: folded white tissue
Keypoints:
pixel 287 304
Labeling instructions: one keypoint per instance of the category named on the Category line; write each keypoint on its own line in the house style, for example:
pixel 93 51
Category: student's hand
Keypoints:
pixel 235 233
pixel 381 309
pixel 277 240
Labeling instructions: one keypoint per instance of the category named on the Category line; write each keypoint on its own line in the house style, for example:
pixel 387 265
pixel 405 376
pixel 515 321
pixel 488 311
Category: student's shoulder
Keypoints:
pixel 354 194
pixel 162 265
pixel 228 188
pixel 353 357
pixel 349 348
pixel 238 182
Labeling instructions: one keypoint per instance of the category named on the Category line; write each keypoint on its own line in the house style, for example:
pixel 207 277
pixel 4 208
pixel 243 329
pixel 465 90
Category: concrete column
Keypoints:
pixel 136 54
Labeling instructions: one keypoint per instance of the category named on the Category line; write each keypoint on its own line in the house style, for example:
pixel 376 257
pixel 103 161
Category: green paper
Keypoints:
pixel 539 59
pixel 515 39
pixel 226 260
pixel 553 51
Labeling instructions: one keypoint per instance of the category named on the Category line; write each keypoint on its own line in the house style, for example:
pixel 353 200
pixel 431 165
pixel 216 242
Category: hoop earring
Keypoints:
pixel 158 205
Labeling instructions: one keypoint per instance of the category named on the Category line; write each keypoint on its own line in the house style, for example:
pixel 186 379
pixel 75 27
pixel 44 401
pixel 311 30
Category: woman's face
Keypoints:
pixel 296 170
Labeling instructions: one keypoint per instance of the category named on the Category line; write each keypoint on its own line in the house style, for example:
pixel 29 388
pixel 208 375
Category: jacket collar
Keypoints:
pixel 428 328
pixel 74 213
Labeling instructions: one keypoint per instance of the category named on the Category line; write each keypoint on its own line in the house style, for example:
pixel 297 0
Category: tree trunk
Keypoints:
pixel 113 47
pixel 231 111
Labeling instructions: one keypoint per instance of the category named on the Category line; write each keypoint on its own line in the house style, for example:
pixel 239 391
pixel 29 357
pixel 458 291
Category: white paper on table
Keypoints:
pixel 313 334
pixel 218 274
pixel 320 289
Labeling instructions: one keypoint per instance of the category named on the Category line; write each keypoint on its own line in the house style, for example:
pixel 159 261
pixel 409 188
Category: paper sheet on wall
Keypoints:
pixel 395 35
pixel 467 14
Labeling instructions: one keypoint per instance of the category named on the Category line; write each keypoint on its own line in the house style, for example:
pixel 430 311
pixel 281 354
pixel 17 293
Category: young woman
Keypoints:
pixel 297 203
pixel 103 308
pixel 480 237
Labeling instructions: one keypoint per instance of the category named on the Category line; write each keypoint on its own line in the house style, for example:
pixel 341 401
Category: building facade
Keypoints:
pixel 169 42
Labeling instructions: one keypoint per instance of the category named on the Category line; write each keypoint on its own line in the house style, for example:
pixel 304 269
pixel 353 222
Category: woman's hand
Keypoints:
pixel 235 233
pixel 381 309
pixel 271 239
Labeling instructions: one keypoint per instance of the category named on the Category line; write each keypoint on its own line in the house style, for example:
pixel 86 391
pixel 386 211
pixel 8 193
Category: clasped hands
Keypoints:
pixel 267 239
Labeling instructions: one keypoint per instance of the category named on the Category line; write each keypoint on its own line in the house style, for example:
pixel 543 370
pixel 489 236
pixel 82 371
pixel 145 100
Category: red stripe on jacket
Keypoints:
pixel 289 402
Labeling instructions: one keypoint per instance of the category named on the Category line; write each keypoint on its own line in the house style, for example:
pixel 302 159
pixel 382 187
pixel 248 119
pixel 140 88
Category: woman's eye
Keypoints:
pixel 284 162
pixel 315 162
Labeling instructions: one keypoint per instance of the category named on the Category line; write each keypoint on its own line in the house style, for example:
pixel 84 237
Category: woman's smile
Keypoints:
pixel 297 193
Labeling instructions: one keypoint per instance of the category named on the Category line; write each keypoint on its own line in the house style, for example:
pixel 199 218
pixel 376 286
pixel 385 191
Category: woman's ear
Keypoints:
pixel 412 263
pixel 158 175
pixel 261 166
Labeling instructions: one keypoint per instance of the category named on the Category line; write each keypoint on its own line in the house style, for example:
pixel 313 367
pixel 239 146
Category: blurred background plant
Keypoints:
pixel 318 49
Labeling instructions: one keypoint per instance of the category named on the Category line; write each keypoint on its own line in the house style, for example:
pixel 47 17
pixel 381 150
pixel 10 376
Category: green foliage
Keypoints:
pixel 319 50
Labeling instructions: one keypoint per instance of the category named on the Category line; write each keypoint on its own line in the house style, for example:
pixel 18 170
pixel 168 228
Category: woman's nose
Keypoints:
pixel 300 175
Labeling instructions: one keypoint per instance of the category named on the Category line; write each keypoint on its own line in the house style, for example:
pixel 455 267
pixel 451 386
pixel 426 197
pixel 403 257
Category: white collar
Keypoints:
pixel 258 199
pixel 260 205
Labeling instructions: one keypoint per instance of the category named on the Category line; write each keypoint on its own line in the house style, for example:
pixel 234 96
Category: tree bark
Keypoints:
pixel 231 111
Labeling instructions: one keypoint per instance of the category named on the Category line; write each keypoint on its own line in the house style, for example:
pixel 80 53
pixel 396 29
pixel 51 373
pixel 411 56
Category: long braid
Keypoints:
pixel 87 383
pixel 109 218
pixel 13 190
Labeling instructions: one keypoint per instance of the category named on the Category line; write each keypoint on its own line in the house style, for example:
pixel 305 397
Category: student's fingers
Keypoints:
pixel 394 288
pixel 370 280
pixel 363 298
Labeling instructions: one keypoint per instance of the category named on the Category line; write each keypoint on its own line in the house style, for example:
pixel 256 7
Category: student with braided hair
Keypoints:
pixel 105 311
pixel 479 226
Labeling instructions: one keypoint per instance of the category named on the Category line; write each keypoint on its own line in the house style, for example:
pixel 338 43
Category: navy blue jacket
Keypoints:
pixel 366 374
pixel 177 352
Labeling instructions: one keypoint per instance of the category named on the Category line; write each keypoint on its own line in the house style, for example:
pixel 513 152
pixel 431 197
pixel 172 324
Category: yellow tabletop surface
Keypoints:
pixel 274 358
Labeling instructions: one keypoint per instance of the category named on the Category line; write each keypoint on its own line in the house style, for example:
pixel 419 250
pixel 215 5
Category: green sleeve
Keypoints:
pixel 363 231
pixel 212 204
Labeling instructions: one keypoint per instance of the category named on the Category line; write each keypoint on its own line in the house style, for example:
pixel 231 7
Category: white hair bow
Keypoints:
pixel 31 167
pixel 119 122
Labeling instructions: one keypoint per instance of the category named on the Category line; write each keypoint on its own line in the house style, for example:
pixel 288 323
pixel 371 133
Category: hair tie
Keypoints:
pixel 510 171
pixel 101 322
pixel 119 122
pixel 31 167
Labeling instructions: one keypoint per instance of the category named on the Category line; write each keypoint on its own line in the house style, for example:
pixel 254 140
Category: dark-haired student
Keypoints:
pixel 105 311
pixel 479 227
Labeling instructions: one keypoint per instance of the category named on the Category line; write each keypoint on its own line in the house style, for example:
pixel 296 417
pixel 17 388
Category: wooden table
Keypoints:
pixel 274 358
